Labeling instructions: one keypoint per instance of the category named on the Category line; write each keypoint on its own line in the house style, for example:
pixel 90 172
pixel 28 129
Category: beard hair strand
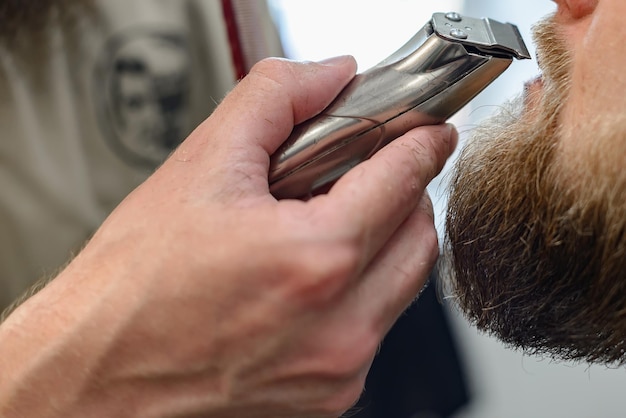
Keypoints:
pixel 534 252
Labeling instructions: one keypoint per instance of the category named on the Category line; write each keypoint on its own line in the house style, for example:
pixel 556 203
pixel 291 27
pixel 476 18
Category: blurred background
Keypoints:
pixel 503 383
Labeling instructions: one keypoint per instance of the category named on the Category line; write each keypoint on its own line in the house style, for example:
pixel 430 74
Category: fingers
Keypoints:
pixel 400 270
pixel 375 197
pixel 228 154
pixel 357 324
pixel 275 96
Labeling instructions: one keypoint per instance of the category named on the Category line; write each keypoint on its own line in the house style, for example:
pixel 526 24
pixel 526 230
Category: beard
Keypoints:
pixel 535 240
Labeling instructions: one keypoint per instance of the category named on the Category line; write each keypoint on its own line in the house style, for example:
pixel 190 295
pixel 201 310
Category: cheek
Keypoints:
pixel 598 83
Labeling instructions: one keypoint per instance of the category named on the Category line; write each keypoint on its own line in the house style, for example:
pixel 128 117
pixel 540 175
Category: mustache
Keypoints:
pixel 535 236
pixel 553 57
pixel 514 261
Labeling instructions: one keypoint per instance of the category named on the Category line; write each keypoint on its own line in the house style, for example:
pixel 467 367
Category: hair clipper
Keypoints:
pixel 446 64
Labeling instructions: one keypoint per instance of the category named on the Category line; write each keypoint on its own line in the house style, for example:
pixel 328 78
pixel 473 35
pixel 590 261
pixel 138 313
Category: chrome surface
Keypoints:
pixel 425 82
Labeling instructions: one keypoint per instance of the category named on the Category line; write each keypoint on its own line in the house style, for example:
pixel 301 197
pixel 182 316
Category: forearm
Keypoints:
pixel 34 289
pixel 40 284
pixel 84 347
pixel 51 353
pixel 42 357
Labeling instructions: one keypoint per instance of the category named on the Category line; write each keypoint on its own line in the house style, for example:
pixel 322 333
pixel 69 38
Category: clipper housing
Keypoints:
pixel 437 72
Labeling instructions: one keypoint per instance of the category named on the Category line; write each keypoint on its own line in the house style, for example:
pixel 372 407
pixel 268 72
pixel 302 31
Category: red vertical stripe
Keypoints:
pixel 236 50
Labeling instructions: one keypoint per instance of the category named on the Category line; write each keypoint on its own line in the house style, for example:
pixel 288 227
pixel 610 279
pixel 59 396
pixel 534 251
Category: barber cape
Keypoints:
pixel 88 116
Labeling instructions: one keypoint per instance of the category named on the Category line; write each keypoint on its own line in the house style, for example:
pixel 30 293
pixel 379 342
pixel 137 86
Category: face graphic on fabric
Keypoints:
pixel 143 83
pixel 146 95
pixel 535 245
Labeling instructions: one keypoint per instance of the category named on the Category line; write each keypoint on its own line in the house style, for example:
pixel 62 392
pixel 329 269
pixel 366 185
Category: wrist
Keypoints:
pixel 50 348
pixel 42 364
pixel 66 354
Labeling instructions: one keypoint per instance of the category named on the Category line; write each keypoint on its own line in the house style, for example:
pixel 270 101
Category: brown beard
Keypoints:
pixel 535 243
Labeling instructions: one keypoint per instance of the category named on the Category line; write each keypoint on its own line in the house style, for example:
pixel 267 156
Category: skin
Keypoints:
pixel 247 306
pixel 592 30
pixel 201 295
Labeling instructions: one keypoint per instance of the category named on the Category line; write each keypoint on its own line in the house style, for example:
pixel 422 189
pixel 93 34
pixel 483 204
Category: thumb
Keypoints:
pixel 276 95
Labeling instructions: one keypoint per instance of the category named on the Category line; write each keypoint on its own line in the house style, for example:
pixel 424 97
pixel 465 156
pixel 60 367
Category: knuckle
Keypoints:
pixel 286 80
pixel 346 391
pixel 352 351
pixel 278 71
pixel 341 368
pixel 268 67
pixel 273 73
pixel 323 272
pixel 350 363
pixel 341 400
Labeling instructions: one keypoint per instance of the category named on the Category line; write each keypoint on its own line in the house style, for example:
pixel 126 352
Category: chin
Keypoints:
pixel 535 238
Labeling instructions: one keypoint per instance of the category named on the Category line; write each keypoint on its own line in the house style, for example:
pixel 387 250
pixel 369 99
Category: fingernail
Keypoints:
pixel 337 61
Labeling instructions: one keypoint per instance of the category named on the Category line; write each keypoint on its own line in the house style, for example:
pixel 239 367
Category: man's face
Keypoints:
pixel 535 248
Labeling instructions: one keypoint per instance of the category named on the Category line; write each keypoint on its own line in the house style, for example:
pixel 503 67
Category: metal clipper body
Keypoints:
pixel 446 64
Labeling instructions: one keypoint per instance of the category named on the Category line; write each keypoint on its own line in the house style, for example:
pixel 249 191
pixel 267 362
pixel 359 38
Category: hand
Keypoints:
pixel 201 295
